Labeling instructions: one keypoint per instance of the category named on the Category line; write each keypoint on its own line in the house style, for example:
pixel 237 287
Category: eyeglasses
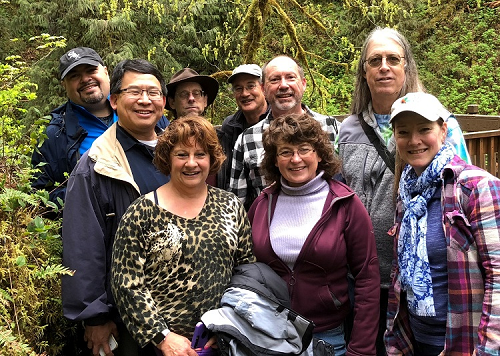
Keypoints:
pixel 302 152
pixel 184 95
pixel 185 156
pixel 136 93
pixel 392 60
pixel 248 87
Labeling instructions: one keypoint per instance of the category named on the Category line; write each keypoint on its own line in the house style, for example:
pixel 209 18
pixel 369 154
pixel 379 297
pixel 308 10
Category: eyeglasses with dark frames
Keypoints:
pixel 136 93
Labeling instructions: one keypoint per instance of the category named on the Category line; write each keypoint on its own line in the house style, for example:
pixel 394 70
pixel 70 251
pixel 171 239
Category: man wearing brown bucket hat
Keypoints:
pixel 190 93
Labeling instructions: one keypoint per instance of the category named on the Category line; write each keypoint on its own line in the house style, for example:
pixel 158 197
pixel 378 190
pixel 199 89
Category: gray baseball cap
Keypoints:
pixel 77 56
pixel 252 69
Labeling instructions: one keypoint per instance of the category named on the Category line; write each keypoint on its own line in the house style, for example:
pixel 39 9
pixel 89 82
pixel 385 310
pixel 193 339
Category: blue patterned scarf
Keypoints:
pixel 415 192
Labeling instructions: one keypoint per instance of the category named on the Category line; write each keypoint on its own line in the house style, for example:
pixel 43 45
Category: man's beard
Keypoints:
pixel 286 106
pixel 93 99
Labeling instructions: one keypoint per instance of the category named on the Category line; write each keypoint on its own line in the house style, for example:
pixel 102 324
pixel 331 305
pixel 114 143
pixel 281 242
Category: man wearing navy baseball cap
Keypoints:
pixel 75 124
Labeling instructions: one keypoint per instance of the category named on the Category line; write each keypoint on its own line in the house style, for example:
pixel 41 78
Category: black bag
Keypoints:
pixel 322 348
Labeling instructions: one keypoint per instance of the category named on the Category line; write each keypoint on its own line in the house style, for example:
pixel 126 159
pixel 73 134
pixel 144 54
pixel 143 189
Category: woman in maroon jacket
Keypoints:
pixel 313 231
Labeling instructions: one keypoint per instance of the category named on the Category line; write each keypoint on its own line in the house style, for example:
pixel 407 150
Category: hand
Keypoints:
pixel 176 345
pixel 212 342
pixel 98 336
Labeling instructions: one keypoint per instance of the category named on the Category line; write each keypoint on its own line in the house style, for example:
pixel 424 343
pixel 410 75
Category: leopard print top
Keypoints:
pixel 168 270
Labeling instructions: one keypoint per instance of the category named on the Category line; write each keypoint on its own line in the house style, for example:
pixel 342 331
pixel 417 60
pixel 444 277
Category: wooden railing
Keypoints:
pixel 483 147
pixel 482 135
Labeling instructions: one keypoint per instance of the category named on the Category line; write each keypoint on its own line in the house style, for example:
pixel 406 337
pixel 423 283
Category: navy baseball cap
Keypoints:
pixel 77 56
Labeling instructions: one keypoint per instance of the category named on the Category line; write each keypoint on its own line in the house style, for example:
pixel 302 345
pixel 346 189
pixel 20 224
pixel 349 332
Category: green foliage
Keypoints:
pixel 31 321
pixel 455 44
pixel 463 69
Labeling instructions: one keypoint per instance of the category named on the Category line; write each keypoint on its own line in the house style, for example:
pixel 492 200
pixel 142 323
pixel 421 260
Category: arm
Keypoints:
pixel 238 183
pixel 363 263
pixel 483 213
pixel 51 161
pixel 133 298
pixel 398 335
pixel 245 246
pixel 84 249
pixel 84 295
pixel 456 138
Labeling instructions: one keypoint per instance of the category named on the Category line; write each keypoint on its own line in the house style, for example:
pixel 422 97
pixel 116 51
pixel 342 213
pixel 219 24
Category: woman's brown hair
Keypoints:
pixel 297 129
pixel 183 130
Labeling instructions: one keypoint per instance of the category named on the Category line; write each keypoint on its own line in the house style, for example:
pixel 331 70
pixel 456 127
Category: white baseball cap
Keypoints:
pixel 252 69
pixel 423 104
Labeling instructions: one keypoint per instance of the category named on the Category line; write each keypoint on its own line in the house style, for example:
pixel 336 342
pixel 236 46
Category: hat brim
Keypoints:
pixel 427 116
pixel 231 79
pixel 209 85
pixel 77 63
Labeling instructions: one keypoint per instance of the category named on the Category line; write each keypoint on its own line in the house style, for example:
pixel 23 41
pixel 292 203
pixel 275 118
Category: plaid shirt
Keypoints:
pixel 246 179
pixel 470 201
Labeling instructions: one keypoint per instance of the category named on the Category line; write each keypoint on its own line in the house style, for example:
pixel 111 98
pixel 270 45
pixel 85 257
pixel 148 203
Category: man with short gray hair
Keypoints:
pixel 284 85
pixel 246 84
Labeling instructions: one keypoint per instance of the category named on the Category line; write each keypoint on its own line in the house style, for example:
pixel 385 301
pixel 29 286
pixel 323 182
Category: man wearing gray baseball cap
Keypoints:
pixel 75 124
pixel 246 84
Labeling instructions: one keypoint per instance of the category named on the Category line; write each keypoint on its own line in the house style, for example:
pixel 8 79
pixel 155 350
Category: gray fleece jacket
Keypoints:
pixel 367 174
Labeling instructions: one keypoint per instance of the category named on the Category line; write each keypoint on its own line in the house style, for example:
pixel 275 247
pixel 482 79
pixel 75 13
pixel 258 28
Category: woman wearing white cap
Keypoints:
pixel 444 298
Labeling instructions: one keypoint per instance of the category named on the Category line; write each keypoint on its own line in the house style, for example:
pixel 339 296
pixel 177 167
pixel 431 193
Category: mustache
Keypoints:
pixel 281 92
pixel 93 82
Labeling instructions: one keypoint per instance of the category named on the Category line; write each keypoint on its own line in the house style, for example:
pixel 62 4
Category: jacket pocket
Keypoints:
pixel 458 231
pixel 328 298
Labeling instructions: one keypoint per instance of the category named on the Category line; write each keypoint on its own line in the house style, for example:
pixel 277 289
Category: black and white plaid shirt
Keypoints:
pixel 246 179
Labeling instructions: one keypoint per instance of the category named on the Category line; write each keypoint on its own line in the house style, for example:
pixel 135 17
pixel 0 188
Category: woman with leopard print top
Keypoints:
pixel 176 247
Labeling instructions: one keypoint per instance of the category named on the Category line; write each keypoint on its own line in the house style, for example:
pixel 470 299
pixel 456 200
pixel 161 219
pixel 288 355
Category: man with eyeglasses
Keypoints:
pixel 284 84
pixel 386 71
pixel 115 171
pixel 75 124
pixel 190 93
pixel 246 84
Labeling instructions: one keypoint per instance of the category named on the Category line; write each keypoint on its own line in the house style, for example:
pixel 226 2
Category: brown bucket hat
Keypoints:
pixel 209 85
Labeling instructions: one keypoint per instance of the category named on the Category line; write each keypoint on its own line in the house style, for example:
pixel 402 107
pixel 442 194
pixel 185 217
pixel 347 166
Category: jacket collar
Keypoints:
pixel 70 117
pixel 110 159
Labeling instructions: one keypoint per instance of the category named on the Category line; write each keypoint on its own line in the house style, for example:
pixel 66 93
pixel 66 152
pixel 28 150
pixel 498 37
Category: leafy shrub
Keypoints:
pixel 31 321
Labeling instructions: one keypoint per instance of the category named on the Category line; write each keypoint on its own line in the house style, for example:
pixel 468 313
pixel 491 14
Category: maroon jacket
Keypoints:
pixel 342 239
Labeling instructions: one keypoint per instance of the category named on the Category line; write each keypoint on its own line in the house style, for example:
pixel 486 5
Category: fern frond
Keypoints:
pixel 52 271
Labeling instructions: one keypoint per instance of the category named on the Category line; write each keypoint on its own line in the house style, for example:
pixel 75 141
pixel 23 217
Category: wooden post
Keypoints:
pixel 472 109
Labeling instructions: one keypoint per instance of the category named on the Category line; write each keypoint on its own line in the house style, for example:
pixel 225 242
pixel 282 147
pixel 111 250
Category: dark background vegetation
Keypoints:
pixel 456 44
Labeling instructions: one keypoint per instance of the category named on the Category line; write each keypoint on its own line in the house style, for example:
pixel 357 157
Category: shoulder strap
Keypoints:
pixel 330 120
pixel 155 194
pixel 382 150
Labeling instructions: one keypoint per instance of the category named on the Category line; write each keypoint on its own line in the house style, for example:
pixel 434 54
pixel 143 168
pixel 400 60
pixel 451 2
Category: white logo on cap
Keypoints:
pixel 73 55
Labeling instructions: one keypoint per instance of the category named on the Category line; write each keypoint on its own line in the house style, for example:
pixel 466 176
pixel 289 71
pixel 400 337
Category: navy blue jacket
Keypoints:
pixel 61 150
pixel 228 133
pixel 100 189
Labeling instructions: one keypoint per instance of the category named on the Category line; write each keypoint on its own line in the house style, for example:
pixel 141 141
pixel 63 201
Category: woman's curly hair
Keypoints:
pixel 181 131
pixel 296 130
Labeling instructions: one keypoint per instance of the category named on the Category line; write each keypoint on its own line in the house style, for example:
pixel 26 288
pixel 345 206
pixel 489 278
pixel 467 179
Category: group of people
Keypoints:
pixel 385 235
